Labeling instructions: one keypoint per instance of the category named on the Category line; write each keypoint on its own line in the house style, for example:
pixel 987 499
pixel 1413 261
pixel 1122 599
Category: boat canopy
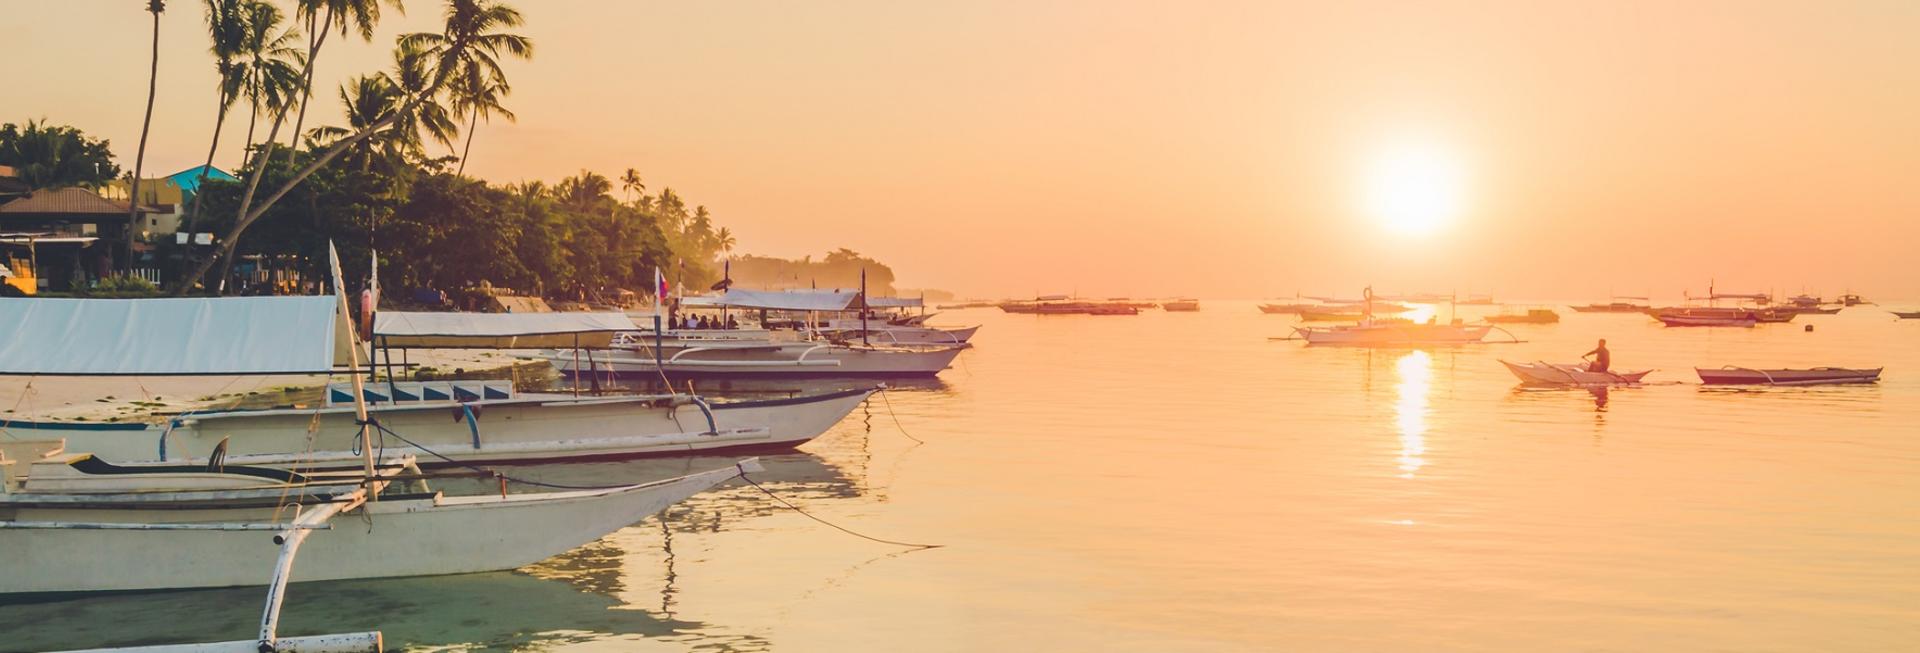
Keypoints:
pixel 192 336
pixel 415 330
pixel 895 302
pixel 778 300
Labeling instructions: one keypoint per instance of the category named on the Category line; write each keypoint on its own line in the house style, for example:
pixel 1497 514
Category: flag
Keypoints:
pixel 660 285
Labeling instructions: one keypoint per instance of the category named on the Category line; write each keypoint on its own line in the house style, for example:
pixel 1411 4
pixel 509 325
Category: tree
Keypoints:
pixel 472 26
pixel 630 182
pixel 725 240
pixel 56 156
pixel 477 94
pixel 227 29
pixel 269 66
pixel 155 7
pixel 358 15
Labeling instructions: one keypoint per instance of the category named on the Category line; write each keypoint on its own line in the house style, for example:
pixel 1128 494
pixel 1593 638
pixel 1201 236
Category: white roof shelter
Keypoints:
pixel 416 330
pixel 779 300
pixel 201 336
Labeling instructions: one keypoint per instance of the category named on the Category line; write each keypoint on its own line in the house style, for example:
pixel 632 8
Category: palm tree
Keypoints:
pixel 270 66
pixel 479 97
pixel 725 241
pixel 155 7
pixel 472 31
pixel 583 191
pixel 226 25
pixel 630 182
pixel 358 15
pixel 370 99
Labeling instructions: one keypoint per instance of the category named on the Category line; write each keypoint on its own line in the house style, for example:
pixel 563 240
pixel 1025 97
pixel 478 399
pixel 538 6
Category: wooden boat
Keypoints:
pixel 1114 309
pixel 1377 333
pixel 1851 299
pixel 1325 316
pixel 760 359
pixel 1288 309
pixel 1612 307
pixel 1907 315
pixel 1551 374
pixel 1532 316
pixel 1732 375
pixel 1707 317
pixel 151 527
pixel 1774 316
pixel 1181 306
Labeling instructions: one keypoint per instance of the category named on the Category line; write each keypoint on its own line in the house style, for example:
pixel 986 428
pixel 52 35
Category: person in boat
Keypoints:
pixel 732 323
pixel 1601 357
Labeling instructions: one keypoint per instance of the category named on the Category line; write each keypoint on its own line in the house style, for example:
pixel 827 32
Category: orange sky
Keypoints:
pixel 1212 149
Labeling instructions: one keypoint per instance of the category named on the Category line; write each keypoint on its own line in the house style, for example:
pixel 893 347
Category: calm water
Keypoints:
pixel 1180 482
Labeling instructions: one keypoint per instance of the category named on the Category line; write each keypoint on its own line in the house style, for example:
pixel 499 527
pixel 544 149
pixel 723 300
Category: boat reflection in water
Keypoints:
pixel 1415 370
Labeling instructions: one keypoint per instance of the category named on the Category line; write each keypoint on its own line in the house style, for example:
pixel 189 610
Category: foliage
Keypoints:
pixel 120 287
pixel 840 269
pixel 55 156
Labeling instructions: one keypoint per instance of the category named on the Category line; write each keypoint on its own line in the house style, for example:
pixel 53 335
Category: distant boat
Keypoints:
pixel 1908 315
pixel 1113 309
pixel 1707 317
pixel 1181 306
pixel 1851 299
pixel 1329 316
pixel 1731 375
pixel 1477 300
pixel 1532 316
pixel 1288 309
pixel 1389 332
pixel 1613 307
pixel 1774 315
pixel 1551 374
pixel 1394 333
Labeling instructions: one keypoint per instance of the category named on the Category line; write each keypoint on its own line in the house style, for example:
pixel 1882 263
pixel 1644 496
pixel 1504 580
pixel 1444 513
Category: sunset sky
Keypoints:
pixel 1529 149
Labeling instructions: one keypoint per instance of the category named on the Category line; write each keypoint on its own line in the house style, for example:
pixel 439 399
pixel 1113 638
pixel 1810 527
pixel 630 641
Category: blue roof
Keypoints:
pixel 189 180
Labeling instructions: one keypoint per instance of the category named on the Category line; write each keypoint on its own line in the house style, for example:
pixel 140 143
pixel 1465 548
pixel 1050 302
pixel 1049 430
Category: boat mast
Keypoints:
pixel 863 307
pixel 353 365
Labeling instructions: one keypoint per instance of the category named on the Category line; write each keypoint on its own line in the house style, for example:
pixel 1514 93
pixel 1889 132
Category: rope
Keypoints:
pixel 896 416
pixel 561 486
pixel 784 502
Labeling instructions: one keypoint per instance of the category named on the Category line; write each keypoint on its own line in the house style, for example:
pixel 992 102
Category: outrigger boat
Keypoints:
pixel 477 421
pixel 1181 306
pixel 1553 374
pixel 1612 307
pixel 767 354
pixel 1532 316
pixel 1707 317
pixel 1906 315
pixel 1371 332
pixel 74 523
pixel 1732 375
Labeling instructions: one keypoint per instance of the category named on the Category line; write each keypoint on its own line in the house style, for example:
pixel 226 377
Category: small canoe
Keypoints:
pixel 1551 374
pixel 1181 305
pixel 1731 375
pixel 1910 315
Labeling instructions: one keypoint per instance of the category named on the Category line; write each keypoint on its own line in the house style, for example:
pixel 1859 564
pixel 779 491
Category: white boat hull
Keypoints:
pixel 1549 374
pixel 524 429
pixel 1389 335
pixel 766 360
pixel 384 539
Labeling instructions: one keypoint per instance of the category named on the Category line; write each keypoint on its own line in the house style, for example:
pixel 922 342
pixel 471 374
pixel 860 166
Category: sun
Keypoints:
pixel 1414 189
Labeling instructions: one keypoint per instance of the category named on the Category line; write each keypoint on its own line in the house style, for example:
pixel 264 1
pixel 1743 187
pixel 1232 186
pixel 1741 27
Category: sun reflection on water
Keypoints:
pixel 1410 409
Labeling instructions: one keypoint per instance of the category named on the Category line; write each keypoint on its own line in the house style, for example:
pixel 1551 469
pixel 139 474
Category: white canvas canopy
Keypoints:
pixel 413 330
pixel 895 302
pixel 208 336
pixel 779 300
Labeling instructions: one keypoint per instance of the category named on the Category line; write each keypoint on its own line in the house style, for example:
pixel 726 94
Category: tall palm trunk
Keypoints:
pixel 315 39
pixel 140 158
pixel 200 183
pixel 471 121
pixel 246 149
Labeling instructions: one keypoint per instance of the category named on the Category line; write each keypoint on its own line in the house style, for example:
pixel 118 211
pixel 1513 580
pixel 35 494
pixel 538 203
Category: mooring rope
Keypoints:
pixel 784 502
pixel 742 473
pixel 896 416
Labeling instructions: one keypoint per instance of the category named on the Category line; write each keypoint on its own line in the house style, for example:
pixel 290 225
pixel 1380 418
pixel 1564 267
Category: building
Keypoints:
pixel 55 238
pixel 170 197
